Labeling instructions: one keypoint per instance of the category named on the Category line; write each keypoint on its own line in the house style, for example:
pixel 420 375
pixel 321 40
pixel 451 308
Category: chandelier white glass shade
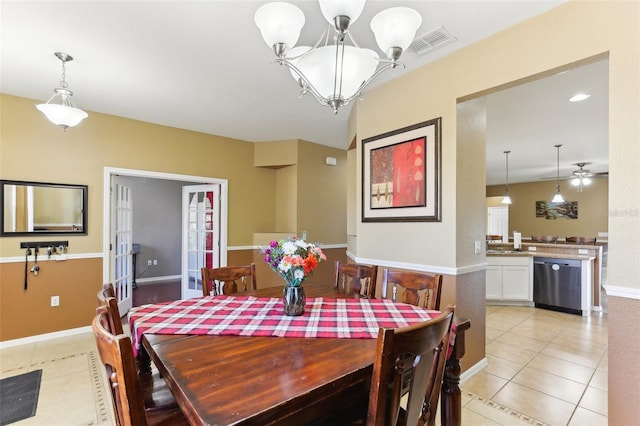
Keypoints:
pixel 506 199
pixel 336 73
pixel 61 109
pixel 558 198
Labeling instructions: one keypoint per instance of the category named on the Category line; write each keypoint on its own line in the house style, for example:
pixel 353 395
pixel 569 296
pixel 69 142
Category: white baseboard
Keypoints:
pixel 154 279
pixel 44 337
pixel 473 370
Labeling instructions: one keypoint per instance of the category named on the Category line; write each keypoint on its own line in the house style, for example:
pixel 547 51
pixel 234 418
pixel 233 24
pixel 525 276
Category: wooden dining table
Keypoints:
pixel 240 380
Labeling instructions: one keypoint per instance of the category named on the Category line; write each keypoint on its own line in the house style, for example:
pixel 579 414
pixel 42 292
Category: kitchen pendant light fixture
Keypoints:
pixel 61 109
pixel 558 198
pixel 336 74
pixel 507 199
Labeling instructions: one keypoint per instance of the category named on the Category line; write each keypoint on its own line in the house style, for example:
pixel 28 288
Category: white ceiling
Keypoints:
pixel 203 66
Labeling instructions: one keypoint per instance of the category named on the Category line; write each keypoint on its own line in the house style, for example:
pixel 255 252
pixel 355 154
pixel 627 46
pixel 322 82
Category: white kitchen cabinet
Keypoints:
pixel 509 279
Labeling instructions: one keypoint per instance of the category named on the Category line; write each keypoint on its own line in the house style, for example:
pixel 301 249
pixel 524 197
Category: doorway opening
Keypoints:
pixel 164 255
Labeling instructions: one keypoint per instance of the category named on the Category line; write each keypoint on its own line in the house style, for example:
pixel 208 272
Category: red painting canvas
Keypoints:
pixel 397 175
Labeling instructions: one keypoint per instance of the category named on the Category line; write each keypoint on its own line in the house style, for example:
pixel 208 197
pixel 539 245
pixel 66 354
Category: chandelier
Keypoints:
pixel 61 109
pixel 332 70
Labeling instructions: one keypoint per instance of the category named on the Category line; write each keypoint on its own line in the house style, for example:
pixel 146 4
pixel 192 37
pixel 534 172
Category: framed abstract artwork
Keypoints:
pixel 401 176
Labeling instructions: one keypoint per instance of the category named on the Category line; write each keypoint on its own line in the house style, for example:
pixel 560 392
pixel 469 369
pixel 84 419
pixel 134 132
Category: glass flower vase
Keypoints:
pixel 294 300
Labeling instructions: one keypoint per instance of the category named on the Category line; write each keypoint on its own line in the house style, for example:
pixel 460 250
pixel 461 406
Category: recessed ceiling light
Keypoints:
pixel 579 97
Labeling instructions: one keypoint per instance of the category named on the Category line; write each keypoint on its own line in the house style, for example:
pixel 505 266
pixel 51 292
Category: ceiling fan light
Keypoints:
pixel 575 181
pixel 395 27
pixel 279 22
pixel 586 181
pixel 332 8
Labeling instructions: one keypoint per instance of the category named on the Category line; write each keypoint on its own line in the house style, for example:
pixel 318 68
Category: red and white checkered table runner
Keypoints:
pixel 260 316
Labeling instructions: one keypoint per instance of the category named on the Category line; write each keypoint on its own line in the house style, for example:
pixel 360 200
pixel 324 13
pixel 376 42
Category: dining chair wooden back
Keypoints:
pixel 415 288
pixel 543 239
pixel 155 393
pixel 580 240
pixel 228 279
pixel 107 299
pixel 408 372
pixel 116 354
pixel 355 279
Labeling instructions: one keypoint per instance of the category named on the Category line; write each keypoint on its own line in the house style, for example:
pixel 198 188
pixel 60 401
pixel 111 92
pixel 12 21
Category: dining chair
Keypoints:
pixel 543 239
pixel 228 279
pixel 407 372
pixel 155 392
pixel 355 279
pixel 416 288
pixel 580 240
pixel 107 299
pixel 116 354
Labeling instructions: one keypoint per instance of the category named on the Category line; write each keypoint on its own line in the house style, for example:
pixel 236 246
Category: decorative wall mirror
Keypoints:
pixel 36 208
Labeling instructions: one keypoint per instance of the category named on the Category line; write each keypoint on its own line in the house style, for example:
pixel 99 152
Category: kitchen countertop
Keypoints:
pixel 513 253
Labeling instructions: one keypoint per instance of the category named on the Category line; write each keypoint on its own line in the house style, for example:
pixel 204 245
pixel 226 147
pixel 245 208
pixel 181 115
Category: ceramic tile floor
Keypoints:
pixel 544 367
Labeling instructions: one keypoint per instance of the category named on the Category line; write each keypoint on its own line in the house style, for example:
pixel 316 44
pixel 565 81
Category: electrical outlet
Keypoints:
pixel 149 262
pixel 55 300
pixel 533 248
pixel 155 261
pixel 477 247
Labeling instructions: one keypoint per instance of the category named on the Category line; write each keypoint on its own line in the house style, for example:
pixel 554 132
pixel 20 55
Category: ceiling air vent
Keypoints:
pixel 431 41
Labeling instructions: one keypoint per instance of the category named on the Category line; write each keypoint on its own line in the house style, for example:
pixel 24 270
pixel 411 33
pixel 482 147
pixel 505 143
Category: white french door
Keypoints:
pixel 122 220
pixel 200 235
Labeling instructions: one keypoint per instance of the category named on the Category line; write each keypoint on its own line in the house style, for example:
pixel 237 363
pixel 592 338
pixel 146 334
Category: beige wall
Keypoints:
pixel 32 149
pixel 320 212
pixel 569 33
pixel 593 204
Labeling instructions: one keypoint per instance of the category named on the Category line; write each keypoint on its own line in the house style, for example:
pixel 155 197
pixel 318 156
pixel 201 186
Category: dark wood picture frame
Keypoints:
pixel 401 174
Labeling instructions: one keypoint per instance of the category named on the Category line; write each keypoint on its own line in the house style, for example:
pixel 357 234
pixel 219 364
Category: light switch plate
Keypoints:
pixel 477 247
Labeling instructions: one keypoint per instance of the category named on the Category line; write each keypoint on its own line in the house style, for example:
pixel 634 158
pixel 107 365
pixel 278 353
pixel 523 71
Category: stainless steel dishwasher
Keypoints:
pixel 557 284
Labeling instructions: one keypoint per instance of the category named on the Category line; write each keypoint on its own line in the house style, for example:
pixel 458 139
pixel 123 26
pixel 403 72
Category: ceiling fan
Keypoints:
pixel 581 177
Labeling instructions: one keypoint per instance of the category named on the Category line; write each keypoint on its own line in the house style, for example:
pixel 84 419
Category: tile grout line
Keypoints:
pixel 539 352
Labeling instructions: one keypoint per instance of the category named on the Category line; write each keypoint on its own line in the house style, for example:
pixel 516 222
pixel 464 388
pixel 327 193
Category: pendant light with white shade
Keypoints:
pixel 336 73
pixel 558 198
pixel 506 199
pixel 61 109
